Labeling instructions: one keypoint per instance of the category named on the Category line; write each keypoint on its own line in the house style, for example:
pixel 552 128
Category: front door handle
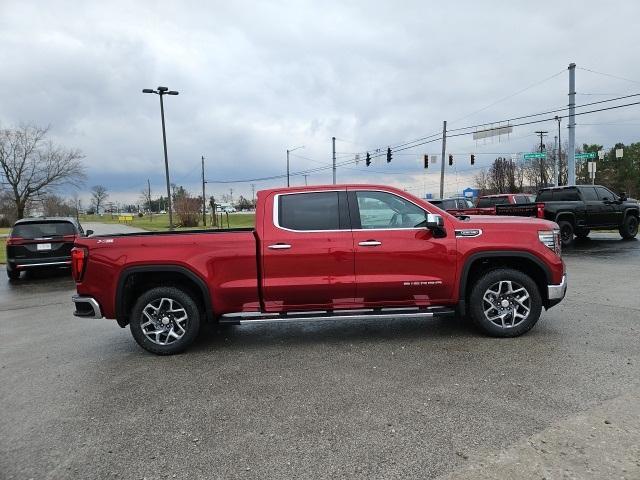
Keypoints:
pixel 370 243
pixel 280 246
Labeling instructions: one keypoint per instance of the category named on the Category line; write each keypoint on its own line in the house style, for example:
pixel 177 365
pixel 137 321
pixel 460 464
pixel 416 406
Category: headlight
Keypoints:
pixel 551 238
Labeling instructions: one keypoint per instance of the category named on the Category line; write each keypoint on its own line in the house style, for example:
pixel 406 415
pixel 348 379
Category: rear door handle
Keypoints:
pixel 279 246
pixel 370 243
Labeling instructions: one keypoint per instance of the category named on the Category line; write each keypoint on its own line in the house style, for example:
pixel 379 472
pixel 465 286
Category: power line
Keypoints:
pixel 608 75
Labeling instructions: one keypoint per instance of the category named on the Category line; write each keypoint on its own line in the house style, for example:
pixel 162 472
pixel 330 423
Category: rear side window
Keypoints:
pixel 492 201
pixel 33 230
pixel 566 195
pixel 589 194
pixel 309 211
pixel 544 196
pixel 448 204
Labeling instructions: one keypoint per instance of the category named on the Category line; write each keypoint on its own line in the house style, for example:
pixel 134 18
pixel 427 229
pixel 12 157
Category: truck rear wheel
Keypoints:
pixel 505 303
pixel 629 228
pixel 566 232
pixel 165 320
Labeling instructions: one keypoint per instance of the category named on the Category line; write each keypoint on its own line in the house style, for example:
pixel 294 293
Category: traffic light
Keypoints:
pixel 426 161
pixel 388 154
pixel 450 159
pixel 368 159
pixel 473 159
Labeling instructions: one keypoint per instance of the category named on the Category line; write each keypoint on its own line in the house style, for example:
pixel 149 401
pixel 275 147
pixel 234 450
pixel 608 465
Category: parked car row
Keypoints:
pixel 576 209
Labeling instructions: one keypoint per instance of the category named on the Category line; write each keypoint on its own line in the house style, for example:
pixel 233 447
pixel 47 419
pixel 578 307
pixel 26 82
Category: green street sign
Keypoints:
pixel 582 156
pixel 529 156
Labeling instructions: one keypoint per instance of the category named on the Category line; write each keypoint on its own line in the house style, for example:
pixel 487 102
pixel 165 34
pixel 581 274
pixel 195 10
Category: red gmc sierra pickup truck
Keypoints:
pixel 323 253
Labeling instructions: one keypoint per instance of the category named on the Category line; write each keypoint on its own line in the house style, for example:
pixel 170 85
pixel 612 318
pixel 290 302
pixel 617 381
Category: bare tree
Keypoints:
pixel 98 196
pixel 32 166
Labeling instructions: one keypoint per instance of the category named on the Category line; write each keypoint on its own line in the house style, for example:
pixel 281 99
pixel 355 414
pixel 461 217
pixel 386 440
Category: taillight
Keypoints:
pixel 540 210
pixel 69 238
pixel 78 262
pixel 14 241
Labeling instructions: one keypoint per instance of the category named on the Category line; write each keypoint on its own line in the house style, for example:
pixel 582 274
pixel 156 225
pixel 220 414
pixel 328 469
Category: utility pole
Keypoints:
pixel 204 198
pixel 444 151
pixel 305 179
pixel 253 194
pixel 543 175
pixel 555 160
pixel 333 141
pixel 149 197
pixel 559 119
pixel 571 154
pixel 288 185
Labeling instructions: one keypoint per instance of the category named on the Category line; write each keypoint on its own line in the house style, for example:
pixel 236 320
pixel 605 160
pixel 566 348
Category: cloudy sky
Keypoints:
pixel 256 78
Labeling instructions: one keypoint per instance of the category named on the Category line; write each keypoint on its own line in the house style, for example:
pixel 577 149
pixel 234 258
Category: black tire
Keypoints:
pixel 517 280
pixel 629 228
pixel 566 232
pixel 159 300
pixel 582 234
pixel 13 274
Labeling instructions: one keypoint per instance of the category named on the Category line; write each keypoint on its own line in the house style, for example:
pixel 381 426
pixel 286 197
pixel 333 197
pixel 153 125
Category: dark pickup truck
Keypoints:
pixel 579 209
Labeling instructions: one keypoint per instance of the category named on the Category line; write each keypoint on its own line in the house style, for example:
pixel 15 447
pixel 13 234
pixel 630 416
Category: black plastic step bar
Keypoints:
pixel 243 318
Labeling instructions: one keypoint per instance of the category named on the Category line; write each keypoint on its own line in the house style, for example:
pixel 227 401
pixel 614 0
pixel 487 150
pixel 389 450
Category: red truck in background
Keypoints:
pixel 323 252
pixel 500 204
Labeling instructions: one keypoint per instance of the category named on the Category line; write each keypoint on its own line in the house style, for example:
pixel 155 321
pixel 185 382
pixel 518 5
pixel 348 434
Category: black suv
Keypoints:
pixel 41 243
pixel 582 208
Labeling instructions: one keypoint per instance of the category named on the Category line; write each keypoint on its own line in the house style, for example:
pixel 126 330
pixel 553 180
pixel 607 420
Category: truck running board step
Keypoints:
pixel 243 318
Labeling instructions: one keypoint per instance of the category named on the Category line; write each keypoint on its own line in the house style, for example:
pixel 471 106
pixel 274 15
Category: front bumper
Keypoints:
pixel 555 293
pixel 86 307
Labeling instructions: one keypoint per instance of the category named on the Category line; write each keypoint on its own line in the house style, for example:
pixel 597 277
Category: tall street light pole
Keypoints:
pixel 559 159
pixel 161 91
pixel 288 152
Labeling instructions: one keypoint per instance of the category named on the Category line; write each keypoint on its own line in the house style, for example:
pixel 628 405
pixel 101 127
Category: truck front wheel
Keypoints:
pixel 165 320
pixel 505 303
pixel 629 228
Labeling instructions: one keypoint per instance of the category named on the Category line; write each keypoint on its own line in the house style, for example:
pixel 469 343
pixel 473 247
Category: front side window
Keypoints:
pixel 605 194
pixel 522 199
pixel 382 210
pixel 309 211
pixel 589 194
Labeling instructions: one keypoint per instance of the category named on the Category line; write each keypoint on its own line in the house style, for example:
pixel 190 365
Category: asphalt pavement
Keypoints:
pixel 379 399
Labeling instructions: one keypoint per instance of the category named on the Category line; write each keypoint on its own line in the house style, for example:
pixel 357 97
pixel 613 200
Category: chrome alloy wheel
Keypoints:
pixel 165 321
pixel 506 304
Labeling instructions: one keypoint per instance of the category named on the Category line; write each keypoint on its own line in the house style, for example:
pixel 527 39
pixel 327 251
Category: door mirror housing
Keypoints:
pixel 435 223
pixel 89 233
pixel 623 196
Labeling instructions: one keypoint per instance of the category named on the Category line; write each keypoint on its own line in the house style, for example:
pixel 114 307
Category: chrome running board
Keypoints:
pixel 243 318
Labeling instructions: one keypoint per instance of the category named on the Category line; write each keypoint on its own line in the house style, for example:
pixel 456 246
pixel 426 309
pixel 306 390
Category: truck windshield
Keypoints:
pixel 33 230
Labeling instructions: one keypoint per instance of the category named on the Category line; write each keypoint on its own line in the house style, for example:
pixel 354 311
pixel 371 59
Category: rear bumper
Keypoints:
pixel 27 263
pixel 86 307
pixel 555 293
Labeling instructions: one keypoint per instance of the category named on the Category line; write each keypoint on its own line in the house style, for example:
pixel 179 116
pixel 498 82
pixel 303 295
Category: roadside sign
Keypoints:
pixel 601 154
pixel 492 132
pixel 582 156
pixel 619 152
pixel 529 156
pixel 591 167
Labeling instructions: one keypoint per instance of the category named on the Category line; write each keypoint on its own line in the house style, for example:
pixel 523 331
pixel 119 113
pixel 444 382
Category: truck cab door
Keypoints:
pixel 611 211
pixel 398 261
pixel 307 252
pixel 593 206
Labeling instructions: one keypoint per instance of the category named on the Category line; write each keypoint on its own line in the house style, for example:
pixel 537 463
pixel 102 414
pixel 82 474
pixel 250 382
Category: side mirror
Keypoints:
pixel 434 221
pixel 88 233
pixel 623 196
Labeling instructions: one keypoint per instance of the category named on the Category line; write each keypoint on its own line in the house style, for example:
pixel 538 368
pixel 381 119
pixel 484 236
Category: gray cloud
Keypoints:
pixel 256 78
